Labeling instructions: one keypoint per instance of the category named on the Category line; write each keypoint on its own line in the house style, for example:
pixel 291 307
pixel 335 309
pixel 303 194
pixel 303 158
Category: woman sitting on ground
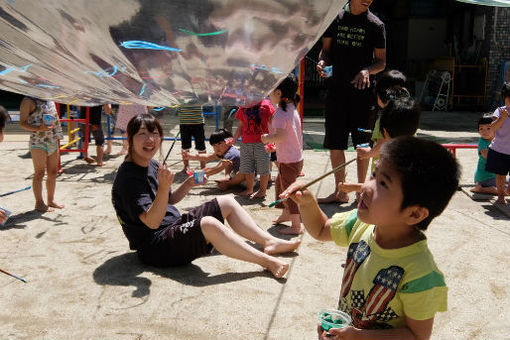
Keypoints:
pixel 143 201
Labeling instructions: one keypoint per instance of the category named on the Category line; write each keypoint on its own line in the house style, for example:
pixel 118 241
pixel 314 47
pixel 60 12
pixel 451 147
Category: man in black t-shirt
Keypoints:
pixel 96 130
pixel 355 45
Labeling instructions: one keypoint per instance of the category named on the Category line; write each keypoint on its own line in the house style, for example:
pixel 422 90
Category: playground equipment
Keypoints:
pixel 72 132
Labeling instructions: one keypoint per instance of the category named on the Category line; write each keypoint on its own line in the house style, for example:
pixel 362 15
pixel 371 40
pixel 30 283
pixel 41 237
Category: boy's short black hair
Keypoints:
pixel 428 172
pixel 401 117
pixel 484 120
pixel 505 91
pixel 219 136
pixel 4 117
pixel 390 78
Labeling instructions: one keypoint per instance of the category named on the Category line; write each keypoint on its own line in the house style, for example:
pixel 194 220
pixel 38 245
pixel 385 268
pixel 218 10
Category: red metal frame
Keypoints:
pixel 85 144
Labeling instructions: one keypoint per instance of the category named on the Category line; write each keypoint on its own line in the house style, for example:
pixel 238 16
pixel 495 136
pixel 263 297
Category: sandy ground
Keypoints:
pixel 85 283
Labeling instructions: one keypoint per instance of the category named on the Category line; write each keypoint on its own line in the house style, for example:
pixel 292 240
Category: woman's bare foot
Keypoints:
pixel 246 193
pixel 279 246
pixel 278 268
pixel 54 204
pixel 42 207
pixel 291 231
pixel 101 163
pixel 258 194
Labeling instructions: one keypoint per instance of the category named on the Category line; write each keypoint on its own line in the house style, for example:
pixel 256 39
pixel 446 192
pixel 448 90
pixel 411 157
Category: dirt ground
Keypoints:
pixel 83 282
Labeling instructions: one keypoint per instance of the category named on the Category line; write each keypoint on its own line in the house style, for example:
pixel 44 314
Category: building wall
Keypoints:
pixel 499 51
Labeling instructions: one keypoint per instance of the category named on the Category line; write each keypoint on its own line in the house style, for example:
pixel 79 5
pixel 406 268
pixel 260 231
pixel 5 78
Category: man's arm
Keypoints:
pixel 324 56
pixel 362 79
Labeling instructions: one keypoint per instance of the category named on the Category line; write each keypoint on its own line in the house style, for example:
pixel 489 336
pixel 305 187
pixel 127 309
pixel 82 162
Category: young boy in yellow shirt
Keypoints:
pixel 391 286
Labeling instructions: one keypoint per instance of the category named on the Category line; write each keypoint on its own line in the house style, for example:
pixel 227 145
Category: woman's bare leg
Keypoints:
pixel 242 223
pixel 231 245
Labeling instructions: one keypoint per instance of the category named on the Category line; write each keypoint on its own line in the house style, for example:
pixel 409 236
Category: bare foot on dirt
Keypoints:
pixel 101 164
pixel 334 198
pixel 291 231
pixel 42 207
pixel 246 193
pixel 279 246
pixel 222 184
pixel 278 268
pixel 258 194
pixel 500 200
pixel 89 160
pixel 122 152
pixel 284 217
pixel 54 204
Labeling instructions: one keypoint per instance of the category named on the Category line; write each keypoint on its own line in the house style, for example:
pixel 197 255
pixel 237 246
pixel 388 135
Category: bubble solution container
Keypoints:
pixel 199 176
pixel 328 71
pixel 332 318
pixel 47 119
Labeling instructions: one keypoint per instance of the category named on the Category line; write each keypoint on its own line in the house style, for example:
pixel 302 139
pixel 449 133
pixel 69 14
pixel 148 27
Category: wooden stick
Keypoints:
pixel 341 166
pixel 12 275
pixel 168 153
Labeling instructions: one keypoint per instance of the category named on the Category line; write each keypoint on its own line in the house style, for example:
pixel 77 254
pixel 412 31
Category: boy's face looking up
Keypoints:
pixel 381 201
pixel 486 131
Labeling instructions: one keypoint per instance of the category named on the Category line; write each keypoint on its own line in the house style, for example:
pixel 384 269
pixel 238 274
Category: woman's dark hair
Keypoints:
pixel 289 87
pixel 429 174
pixel 134 125
pixel 505 91
pixel 401 117
pixel 219 136
pixel 389 79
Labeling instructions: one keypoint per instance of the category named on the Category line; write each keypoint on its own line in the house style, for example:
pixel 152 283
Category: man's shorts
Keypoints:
pixel 183 241
pixel 189 131
pixel 348 109
pixel 498 163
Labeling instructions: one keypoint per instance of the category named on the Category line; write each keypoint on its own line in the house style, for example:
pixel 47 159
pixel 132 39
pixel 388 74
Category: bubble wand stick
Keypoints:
pixel 171 147
pixel 12 275
pixel 341 166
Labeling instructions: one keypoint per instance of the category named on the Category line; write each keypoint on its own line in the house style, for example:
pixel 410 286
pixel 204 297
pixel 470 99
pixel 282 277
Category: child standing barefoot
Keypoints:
pixel 253 123
pixel 498 157
pixel 288 138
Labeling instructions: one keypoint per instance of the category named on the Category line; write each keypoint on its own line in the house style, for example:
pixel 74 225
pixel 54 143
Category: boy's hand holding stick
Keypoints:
pixel 341 166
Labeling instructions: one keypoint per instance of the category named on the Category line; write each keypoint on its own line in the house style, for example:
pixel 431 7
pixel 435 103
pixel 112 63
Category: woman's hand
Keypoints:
pixel 344 333
pixel 165 176
pixel 3 216
pixel 45 127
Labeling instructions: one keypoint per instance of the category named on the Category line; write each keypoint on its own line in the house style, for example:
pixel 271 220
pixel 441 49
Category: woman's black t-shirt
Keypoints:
pixel 134 189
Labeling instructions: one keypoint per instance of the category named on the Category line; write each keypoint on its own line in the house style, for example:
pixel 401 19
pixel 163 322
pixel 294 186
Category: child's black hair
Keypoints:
pixel 486 119
pixel 429 174
pixel 4 117
pixel 219 136
pixel 389 79
pixel 401 117
pixel 289 87
pixel 505 91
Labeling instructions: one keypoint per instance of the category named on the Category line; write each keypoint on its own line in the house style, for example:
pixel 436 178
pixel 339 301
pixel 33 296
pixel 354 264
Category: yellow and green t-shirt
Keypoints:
pixel 381 287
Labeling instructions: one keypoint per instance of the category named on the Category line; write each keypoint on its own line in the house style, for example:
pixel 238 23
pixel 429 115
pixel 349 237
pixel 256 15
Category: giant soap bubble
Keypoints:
pixel 155 52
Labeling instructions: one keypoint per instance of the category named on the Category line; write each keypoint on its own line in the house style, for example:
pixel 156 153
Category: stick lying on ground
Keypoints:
pixel 341 166
pixel 15 191
pixel 168 153
pixel 14 276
